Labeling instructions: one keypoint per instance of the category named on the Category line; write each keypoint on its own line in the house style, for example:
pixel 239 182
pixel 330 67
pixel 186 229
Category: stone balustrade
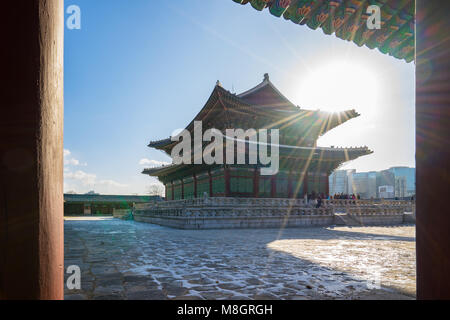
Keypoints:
pixel 269 202
pixel 234 212
pixel 375 210
pixel 364 202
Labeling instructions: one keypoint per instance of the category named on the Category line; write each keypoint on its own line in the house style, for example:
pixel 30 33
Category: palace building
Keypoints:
pixel 303 166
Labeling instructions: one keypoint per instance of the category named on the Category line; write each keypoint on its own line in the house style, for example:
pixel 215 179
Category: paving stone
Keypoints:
pixel 121 259
pixel 108 297
pixel 75 297
pixel 203 288
pixel 216 295
pixel 264 296
pixel 146 295
pixel 254 281
pixel 101 290
pixel 136 278
pixel 229 286
pixel 187 298
pixel 109 282
pixel 174 290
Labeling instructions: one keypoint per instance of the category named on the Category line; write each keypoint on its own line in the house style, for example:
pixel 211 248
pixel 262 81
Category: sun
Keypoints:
pixel 339 85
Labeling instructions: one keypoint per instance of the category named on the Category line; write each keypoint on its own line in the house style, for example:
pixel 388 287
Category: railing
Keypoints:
pixel 270 202
pixel 235 212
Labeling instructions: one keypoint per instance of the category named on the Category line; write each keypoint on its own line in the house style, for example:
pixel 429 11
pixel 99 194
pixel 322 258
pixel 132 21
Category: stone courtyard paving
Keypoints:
pixel 132 260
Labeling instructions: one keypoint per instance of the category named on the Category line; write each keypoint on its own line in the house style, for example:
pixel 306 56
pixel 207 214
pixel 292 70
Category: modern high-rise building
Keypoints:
pixel 384 178
pixel 364 184
pixel 394 182
pixel 400 187
pixel 339 181
pixel 410 176
pixel 385 192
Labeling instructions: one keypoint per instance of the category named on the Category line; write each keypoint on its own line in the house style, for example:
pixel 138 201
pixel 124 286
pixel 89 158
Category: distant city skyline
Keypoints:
pixel 400 181
pixel 133 75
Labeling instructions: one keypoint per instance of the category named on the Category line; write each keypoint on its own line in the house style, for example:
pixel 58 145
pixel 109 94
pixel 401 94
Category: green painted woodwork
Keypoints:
pixel 202 184
pixel 169 191
pixel 218 182
pixel 177 190
pixel 282 183
pixel 265 186
pixel 189 188
pixel 298 186
pixel 241 180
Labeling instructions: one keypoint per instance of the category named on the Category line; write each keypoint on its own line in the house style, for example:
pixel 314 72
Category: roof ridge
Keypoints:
pixel 266 82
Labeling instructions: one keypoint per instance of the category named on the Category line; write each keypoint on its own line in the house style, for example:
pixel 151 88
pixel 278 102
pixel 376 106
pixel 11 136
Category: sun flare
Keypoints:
pixel 339 85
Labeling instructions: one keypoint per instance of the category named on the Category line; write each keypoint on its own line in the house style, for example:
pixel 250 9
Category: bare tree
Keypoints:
pixel 155 189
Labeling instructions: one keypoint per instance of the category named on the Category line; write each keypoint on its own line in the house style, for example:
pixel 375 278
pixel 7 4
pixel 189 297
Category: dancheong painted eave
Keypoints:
pixel 262 106
pixel 347 19
pixel 323 154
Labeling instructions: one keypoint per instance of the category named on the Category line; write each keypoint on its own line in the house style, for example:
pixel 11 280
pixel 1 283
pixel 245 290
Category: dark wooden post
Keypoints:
pixel 210 183
pixel 305 182
pixel 166 191
pixel 256 183
pixel 195 185
pixel 432 149
pixel 290 191
pixel 227 180
pixel 273 186
pixel 31 150
pixel 182 188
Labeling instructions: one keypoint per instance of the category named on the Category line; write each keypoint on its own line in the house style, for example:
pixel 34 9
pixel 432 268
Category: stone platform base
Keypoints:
pixel 234 213
pixel 236 222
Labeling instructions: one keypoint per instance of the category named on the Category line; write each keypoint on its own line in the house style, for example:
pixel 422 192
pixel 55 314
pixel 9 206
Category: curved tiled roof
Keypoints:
pixel 267 95
pixel 347 19
pixel 263 106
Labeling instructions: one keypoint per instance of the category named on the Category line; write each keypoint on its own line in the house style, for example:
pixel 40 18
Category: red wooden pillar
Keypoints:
pixel 432 151
pixel 173 191
pixel 327 185
pixel 31 150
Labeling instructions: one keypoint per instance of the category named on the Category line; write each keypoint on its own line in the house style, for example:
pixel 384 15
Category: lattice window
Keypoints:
pixel 169 191
pixel 202 185
pixel 189 188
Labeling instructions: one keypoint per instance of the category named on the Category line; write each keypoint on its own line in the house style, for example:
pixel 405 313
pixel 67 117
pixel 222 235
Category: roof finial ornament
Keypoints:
pixel 266 77
pixel 218 83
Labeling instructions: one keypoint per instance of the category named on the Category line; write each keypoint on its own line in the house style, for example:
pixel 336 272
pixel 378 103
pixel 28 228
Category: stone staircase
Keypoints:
pixel 343 219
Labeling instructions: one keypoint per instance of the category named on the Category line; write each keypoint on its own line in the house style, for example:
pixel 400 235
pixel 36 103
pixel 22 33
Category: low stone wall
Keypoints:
pixel 409 218
pixel 374 220
pixel 221 213
pixel 121 213
pixel 235 222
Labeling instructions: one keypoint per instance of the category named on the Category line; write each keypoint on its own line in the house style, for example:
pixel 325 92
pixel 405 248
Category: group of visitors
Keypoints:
pixel 346 196
pixel 316 199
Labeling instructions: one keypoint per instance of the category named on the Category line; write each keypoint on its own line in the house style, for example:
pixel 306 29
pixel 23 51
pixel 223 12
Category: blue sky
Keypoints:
pixel 137 70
